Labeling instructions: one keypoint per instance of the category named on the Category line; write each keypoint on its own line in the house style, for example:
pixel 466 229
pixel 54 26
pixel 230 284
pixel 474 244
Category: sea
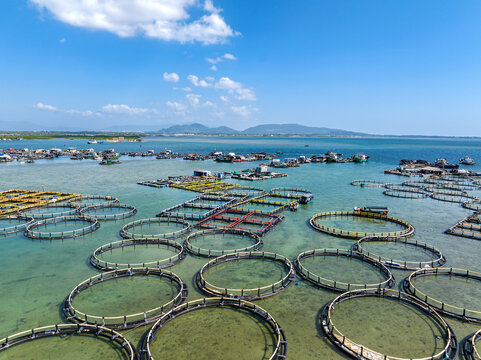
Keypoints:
pixel 37 276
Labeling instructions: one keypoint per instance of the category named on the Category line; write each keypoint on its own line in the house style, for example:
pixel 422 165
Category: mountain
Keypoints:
pixel 296 129
pixel 197 128
pixel 266 129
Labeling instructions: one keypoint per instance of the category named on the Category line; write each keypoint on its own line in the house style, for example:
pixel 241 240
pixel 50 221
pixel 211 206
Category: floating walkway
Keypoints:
pixel 450 310
pixel 340 286
pixel 199 208
pixel 256 241
pixel 130 320
pixel 257 223
pixel 241 305
pixel 124 211
pixel 470 351
pixel 361 352
pixel 101 332
pixel 133 230
pixel 247 293
pixel 31 232
pixel 438 257
pixel 103 265
pixel 468 227
pixel 314 221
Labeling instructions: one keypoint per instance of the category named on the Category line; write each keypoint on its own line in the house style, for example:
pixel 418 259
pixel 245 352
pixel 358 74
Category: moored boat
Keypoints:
pixel 467 161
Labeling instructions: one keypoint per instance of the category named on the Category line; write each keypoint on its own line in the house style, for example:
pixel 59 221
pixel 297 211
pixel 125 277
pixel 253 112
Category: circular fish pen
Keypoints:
pixel 414 183
pixel 14 224
pixel 51 211
pixel 454 197
pixel 123 211
pixel 447 309
pixel 237 304
pixel 314 222
pixel 129 320
pixel 470 351
pixel 369 183
pixel 441 189
pixel 474 205
pixel 92 200
pixel 254 239
pixel 358 351
pixel 104 265
pixel 438 257
pixel 339 285
pixel 31 232
pixel 247 293
pixel 413 193
pixel 117 339
pixel 133 230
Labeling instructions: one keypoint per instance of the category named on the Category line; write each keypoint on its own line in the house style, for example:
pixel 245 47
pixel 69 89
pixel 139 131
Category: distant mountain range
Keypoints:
pixel 266 129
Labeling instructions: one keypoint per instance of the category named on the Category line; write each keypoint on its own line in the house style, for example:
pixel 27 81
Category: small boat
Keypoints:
pixel 442 163
pixel 373 209
pixel 360 158
pixel 92 142
pixel 467 161
pixel 293 206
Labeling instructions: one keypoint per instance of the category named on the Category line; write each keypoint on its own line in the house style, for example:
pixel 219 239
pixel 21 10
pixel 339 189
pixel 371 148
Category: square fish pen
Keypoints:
pixel 259 223
pixel 12 201
pixel 198 208
pixel 202 186
pixel 266 204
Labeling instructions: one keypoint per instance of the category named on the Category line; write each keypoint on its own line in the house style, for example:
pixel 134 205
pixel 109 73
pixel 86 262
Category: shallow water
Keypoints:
pixel 40 274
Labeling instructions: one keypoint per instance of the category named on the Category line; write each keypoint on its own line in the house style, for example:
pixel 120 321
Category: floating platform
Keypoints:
pixel 257 223
pixel 15 201
pixel 468 227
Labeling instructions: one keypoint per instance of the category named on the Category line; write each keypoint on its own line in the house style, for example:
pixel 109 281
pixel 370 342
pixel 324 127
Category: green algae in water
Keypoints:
pixel 344 269
pixel 214 333
pixel 222 242
pixel 398 251
pixel 457 291
pixel 137 254
pixel 125 296
pixel 66 347
pixel 245 273
pixel 389 327
pixel 356 223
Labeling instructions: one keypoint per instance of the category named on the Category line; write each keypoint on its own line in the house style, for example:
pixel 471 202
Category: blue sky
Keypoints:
pixel 383 67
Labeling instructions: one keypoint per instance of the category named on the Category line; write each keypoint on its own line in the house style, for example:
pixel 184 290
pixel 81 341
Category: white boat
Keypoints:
pixel 467 161
pixel 93 142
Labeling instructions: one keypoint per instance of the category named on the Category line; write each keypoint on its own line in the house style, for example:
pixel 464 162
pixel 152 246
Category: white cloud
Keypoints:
pixel 193 99
pixel 224 98
pixel 219 59
pixel 196 82
pixel 160 19
pixel 62 40
pixel 243 111
pixel 43 106
pixel 236 88
pixel 125 109
pixel 172 77
pixel 176 106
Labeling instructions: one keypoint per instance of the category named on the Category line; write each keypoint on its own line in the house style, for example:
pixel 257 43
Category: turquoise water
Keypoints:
pixel 40 274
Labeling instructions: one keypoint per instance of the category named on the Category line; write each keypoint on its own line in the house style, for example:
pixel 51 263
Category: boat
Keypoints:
pixel 92 142
pixel 360 158
pixel 332 157
pixel 373 209
pixel 305 198
pixel 442 163
pixel 467 161
pixel 293 206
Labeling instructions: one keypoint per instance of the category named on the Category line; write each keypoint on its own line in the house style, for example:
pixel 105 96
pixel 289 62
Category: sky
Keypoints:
pixel 375 66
